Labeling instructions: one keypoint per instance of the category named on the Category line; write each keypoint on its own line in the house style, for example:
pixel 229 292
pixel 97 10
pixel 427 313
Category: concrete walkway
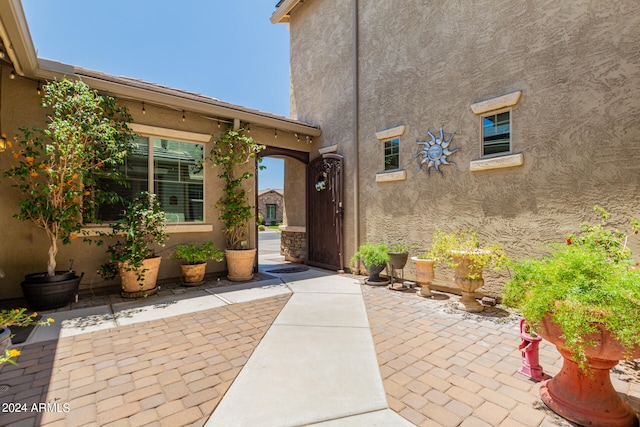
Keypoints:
pixel 304 348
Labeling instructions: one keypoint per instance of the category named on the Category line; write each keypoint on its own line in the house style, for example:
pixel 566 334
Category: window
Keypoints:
pixel 177 177
pixel 271 212
pixel 496 133
pixel 392 154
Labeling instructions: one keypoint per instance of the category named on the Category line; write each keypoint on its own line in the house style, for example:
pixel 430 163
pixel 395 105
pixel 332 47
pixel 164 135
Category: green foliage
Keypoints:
pixel 370 255
pixel 589 279
pixel 18 317
pixel 194 253
pixel 260 220
pixel 446 246
pixel 140 225
pixel 59 169
pixel 262 227
pixel 230 150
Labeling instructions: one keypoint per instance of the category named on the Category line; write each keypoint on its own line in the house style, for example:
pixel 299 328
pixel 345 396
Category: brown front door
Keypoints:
pixel 325 212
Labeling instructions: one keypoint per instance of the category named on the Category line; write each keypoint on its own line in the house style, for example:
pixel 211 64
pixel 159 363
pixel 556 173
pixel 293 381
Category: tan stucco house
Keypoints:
pixel 173 127
pixel 536 103
pixel 271 205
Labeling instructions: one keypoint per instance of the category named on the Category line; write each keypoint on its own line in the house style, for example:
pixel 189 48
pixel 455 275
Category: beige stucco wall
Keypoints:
pixel 422 65
pixel 23 247
pixel 295 173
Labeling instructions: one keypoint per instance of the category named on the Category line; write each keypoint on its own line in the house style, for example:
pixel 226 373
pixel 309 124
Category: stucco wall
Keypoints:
pixel 23 246
pixel 422 65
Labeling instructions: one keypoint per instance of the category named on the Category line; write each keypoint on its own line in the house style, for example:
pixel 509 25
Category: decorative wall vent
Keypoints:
pixel 434 153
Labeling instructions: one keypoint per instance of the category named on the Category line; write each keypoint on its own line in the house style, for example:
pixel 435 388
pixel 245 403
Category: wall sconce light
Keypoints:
pixel 12 75
pixel 3 142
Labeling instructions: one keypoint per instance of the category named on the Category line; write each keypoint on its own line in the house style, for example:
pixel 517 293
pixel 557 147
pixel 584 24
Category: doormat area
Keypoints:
pixel 289 270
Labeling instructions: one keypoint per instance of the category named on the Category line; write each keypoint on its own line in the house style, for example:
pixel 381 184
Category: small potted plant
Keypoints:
pixel 195 257
pixel 584 297
pixel 462 251
pixel 375 259
pixel 425 272
pixel 231 150
pixel 60 171
pixel 15 317
pixel 142 224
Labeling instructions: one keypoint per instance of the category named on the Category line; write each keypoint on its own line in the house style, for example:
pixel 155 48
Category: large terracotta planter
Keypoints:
pixel 424 275
pixel 588 399
pixel 240 264
pixel 132 286
pixel 193 274
pixel 468 301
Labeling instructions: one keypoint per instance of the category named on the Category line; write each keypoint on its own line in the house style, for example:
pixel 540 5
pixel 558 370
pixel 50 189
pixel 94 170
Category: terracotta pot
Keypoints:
pixel 240 264
pixel 424 275
pixel 132 287
pixel 193 274
pixel 467 286
pixel 587 398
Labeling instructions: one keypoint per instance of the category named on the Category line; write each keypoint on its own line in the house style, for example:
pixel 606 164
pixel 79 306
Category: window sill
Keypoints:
pixel 500 162
pixel 399 175
pixel 93 231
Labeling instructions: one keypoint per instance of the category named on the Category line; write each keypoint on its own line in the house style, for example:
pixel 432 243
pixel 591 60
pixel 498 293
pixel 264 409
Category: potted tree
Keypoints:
pixel 195 257
pixel 231 150
pixel 375 259
pixel 462 251
pixel 584 298
pixel 142 224
pixel 59 171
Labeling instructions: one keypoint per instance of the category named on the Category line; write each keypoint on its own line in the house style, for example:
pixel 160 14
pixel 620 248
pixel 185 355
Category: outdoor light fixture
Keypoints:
pixel 12 75
pixel 183 117
pixel 275 133
pixel 248 127
pixel 297 137
pixel 39 89
pixel 143 110
pixel 3 142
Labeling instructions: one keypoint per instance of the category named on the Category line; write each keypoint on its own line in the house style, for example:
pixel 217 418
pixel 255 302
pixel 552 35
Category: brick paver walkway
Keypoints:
pixel 444 367
pixel 167 372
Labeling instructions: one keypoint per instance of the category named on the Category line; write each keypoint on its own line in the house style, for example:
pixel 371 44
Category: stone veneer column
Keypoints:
pixel 293 243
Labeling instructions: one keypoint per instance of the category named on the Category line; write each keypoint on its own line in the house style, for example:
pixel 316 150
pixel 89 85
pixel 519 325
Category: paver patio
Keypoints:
pixel 439 366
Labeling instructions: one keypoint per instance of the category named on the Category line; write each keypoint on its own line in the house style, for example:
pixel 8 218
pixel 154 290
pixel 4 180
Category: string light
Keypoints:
pixel 275 133
pixel 218 123
pixel 183 117
pixel 143 109
pixel 297 137
pixel 39 89
pixel 248 127
pixel 12 75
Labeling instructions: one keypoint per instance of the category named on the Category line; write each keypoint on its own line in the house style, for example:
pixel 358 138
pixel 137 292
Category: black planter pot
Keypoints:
pixel 45 292
pixel 398 259
pixel 374 275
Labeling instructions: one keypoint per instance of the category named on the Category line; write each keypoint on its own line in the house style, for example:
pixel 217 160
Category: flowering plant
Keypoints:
pixel 18 317
pixel 589 279
pixel 446 246
pixel 60 169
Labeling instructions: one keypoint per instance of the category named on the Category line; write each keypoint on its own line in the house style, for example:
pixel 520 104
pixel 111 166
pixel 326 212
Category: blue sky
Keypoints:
pixel 226 49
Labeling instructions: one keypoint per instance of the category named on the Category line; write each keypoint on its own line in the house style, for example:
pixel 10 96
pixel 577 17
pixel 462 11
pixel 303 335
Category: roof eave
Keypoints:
pixel 281 15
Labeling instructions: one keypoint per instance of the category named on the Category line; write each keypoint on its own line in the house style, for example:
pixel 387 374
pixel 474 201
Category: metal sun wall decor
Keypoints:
pixel 434 153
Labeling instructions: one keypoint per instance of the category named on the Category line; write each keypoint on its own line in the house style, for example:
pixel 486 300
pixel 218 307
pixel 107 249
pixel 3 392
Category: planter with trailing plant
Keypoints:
pixel 462 251
pixel 15 317
pixel 195 257
pixel 231 150
pixel 584 298
pixel 60 171
pixel 375 259
pixel 132 257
